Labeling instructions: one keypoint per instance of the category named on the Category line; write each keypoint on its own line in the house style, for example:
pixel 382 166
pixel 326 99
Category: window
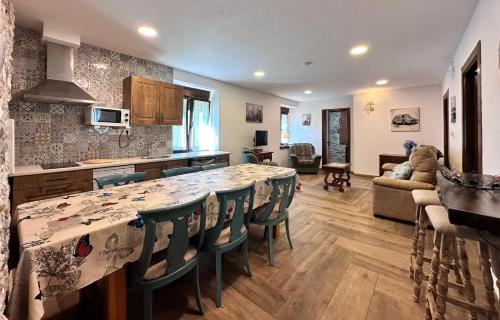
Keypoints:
pixel 285 133
pixel 195 132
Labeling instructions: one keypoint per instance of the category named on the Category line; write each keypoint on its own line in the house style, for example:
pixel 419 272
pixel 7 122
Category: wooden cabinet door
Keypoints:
pixel 171 100
pixel 145 102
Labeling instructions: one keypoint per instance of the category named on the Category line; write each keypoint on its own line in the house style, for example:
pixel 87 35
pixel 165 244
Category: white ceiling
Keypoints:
pixel 409 41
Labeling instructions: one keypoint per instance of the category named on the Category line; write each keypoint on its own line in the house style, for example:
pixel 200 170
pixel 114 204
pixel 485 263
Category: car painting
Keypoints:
pixel 405 119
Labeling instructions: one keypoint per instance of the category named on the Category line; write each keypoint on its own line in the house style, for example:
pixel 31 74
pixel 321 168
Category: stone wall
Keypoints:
pixel 337 126
pixel 47 133
pixel 6 43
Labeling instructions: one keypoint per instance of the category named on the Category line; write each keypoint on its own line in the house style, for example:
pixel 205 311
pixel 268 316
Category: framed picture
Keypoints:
pixel 453 109
pixel 306 119
pixel 255 113
pixel 405 119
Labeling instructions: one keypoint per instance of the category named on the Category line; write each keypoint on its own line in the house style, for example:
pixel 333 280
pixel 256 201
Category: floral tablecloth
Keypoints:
pixel 69 242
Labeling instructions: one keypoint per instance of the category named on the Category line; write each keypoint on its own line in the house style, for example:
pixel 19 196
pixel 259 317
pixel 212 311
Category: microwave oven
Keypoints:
pixel 107 117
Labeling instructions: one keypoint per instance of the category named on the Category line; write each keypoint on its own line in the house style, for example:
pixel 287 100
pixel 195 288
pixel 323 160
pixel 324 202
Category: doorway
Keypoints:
pixel 446 127
pixel 472 142
pixel 336 137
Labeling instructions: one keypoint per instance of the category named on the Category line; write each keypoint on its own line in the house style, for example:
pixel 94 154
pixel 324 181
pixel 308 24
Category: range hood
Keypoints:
pixel 59 86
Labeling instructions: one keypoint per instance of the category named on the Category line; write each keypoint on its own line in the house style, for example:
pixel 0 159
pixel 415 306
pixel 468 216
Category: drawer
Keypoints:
pixel 177 164
pixel 28 195
pixel 51 179
pixel 222 158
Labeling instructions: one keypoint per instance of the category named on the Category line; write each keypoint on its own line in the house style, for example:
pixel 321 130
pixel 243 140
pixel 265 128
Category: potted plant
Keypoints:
pixel 408 145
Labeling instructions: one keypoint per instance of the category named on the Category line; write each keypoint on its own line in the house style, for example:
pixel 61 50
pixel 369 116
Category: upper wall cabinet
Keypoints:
pixel 152 102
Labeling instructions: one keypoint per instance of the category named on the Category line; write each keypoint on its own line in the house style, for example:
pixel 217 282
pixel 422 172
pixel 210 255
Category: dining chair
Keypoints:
pixel 119 179
pixel 214 166
pixel 155 271
pixel 178 171
pixel 224 237
pixel 276 211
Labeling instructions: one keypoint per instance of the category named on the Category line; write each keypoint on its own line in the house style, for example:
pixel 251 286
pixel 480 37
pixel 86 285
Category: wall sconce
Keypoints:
pixel 370 106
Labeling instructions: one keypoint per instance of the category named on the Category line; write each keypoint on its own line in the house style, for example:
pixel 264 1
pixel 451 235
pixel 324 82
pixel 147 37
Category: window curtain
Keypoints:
pixel 200 130
pixel 179 132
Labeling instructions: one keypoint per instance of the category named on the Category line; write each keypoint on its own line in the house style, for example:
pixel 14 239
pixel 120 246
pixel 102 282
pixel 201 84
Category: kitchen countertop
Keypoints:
pixel 37 169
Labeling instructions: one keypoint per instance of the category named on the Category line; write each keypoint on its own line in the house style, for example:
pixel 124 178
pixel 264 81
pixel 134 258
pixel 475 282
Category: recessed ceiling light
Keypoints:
pixel 358 50
pixel 308 92
pixel 259 74
pixel 147 31
pixel 382 82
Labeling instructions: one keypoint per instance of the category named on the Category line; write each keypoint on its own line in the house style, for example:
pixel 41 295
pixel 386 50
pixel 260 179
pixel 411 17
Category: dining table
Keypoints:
pixel 72 241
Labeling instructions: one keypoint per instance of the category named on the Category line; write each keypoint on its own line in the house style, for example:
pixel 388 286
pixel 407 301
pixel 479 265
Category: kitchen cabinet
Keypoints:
pixel 49 185
pixel 152 102
pixel 154 170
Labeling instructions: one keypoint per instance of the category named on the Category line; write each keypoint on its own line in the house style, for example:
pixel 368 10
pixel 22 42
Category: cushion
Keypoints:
pixel 438 216
pixel 307 162
pixel 225 235
pixel 338 165
pixel 402 171
pixel 426 197
pixel 159 269
pixel 424 159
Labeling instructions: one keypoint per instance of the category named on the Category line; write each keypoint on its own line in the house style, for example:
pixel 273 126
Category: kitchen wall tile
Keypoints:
pixel 55 132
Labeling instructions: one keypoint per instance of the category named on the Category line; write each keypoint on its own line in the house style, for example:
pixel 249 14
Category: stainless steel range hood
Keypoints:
pixel 59 86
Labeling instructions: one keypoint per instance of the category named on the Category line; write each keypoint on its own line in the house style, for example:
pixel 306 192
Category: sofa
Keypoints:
pixel 304 159
pixel 392 198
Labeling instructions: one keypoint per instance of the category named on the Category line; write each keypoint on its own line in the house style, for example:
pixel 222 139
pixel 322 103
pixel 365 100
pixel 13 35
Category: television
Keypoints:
pixel 260 138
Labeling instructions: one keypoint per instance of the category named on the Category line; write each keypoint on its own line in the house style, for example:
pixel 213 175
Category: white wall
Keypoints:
pixel 234 132
pixel 485 26
pixel 372 131
pixel 312 133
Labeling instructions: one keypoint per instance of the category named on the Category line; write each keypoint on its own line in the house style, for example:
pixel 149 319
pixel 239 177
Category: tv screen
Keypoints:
pixel 260 138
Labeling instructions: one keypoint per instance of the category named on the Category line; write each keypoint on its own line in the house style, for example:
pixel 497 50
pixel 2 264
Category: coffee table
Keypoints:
pixel 340 175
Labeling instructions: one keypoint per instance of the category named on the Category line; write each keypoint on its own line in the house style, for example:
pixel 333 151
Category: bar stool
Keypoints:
pixel 422 199
pixel 446 237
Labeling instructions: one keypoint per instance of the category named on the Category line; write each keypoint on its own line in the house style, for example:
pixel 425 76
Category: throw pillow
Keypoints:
pixel 402 171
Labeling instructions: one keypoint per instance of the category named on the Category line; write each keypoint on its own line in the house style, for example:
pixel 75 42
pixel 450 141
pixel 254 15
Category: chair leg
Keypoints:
pixel 419 272
pixel 413 254
pixel 484 259
pixel 287 227
pixel 270 244
pixel 464 267
pixel 435 262
pixel 196 286
pixel 218 278
pixel 244 247
pixel 148 304
pixel 444 270
pixel 266 230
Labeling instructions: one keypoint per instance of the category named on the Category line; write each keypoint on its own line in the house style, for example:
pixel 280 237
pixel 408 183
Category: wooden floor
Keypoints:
pixel 346 264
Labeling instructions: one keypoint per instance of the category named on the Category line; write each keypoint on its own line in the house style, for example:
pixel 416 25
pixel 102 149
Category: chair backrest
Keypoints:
pixel 250 157
pixel 214 166
pixel 283 192
pixel 119 179
pixel 302 149
pixel 179 239
pixel 239 196
pixel 178 171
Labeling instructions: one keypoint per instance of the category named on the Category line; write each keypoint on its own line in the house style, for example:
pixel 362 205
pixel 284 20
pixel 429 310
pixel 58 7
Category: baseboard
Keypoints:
pixel 363 175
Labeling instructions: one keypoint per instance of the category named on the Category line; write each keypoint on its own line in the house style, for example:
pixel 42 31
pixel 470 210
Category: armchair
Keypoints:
pixel 304 159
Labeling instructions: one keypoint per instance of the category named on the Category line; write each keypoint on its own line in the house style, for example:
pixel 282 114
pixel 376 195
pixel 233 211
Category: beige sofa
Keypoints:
pixel 392 197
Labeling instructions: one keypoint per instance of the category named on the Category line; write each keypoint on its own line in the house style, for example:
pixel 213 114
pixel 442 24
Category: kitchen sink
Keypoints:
pixel 163 156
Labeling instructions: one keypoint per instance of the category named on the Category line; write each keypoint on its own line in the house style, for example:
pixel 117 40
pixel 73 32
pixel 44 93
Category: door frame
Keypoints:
pixel 446 127
pixel 324 136
pixel 474 57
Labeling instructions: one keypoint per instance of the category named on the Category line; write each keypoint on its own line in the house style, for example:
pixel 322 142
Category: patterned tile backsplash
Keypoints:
pixel 48 133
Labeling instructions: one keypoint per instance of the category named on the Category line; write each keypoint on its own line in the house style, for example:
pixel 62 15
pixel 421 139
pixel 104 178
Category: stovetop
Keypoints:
pixel 59 165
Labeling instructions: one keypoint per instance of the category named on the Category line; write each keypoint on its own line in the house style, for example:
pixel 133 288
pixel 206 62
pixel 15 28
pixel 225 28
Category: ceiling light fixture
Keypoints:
pixel 359 50
pixel 382 82
pixel 308 92
pixel 147 31
pixel 259 74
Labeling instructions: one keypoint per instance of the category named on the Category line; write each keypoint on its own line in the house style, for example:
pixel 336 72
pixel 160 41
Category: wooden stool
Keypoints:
pixel 446 235
pixel 422 199
pixel 340 174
